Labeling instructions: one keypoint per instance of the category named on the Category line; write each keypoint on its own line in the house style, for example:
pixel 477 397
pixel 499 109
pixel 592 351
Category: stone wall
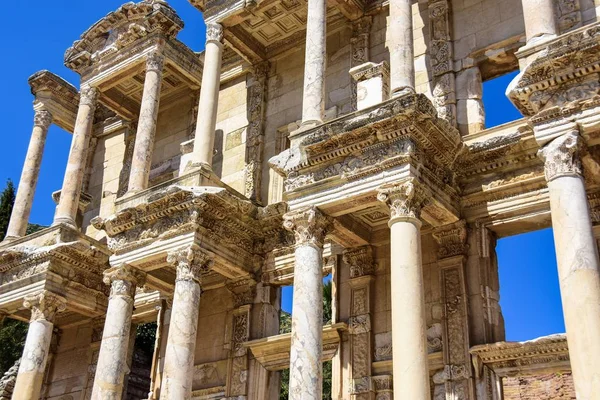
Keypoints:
pixel 540 387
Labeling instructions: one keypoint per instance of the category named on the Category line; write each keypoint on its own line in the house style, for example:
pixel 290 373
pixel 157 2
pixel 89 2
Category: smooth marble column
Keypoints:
pixel 44 306
pixel 309 226
pixel 144 138
pixel 577 257
pixel 540 20
pixel 204 142
pixel 313 98
pixel 409 327
pixel 19 218
pixel 66 211
pixel 401 47
pixel 112 360
pixel 191 264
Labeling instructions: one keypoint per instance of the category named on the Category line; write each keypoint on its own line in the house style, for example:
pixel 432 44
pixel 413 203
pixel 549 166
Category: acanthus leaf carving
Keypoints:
pixel 562 156
pixel 191 263
pixel 405 199
pixel 309 225
pixel 44 305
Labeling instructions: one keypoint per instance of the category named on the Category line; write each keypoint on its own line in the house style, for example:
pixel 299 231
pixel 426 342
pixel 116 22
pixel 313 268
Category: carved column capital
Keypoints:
pixel 360 260
pixel 451 239
pixel 562 156
pixel 43 119
pixel 44 305
pixel 191 263
pixel 123 280
pixel 309 225
pixel 214 33
pixel 155 62
pixel 88 96
pixel 405 199
pixel 243 291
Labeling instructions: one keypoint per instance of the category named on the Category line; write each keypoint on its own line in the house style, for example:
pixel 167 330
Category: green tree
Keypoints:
pixel 285 326
pixel 12 340
pixel 7 200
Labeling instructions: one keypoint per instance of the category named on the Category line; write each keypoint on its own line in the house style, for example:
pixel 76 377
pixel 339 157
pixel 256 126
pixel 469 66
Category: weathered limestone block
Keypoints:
pixel 372 83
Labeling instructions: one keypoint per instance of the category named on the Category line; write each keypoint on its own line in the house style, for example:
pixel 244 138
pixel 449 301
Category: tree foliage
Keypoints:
pixel 7 200
pixel 145 337
pixel 12 341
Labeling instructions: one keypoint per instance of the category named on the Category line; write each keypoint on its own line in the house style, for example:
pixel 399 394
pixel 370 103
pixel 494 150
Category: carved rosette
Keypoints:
pixel 191 263
pixel 562 156
pixel 155 62
pixel 43 119
pixel 451 239
pixel 44 305
pixel 88 96
pixel 405 199
pixel 214 33
pixel 123 280
pixel 360 260
pixel 309 226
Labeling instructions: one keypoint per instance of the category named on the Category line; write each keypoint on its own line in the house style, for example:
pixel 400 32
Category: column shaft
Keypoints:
pixel 313 100
pixel 409 340
pixel 577 258
pixel 112 360
pixel 66 211
pixel 144 139
pixel 209 97
pixel 402 64
pixel 30 377
pixel 540 19
pixel 178 372
pixel 19 218
pixel 306 369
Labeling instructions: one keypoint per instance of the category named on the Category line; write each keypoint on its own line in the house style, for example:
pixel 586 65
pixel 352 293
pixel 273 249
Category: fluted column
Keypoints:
pixel 577 258
pixel 204 141
pixel 66 211
pixel 409 340
pixel 190 263
pixel 540 19
pixel 44 306
pixel 19 218
pixel 144 138
pixel 313 98
pixel 112 360
pixel 401 47
pixel 309 226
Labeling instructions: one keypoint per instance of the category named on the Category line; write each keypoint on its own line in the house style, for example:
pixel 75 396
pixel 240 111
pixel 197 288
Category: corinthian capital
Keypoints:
pixel 44 305
pixel 309 225
pixel 88 96
pixel 405 199
pixel 43 119
pixel 214 32
pixel 360 260
pixel 562 156
pixel 123 280
pixel 155 62
pixel 191 263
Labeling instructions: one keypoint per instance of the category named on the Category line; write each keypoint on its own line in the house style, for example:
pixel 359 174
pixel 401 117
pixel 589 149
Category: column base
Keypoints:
pixel 64 221
pixel 402 91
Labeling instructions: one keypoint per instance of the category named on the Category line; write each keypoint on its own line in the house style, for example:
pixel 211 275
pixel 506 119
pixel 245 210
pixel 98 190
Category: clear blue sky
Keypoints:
pixel 38 33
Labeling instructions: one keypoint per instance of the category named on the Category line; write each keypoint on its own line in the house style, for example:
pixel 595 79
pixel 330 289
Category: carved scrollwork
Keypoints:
pixel 191 263
pixel 562 156
pixel 214 32
pixel 309 225
pixel 43 119
pixel 405 199
pixel 123 280
pixel 44 305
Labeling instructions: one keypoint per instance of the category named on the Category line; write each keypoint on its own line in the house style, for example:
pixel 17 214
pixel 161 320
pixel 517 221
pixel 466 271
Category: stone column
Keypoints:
pixel 400 37
pixel 44 306
pixel 66 211
pixel 540 20
pixel 309 226
pixel 178 374
pixel 409 338
pixel 112 360
pixel 19 218
pixel 204 141
pixel 313 98
pixel 144 138
pixel 577 257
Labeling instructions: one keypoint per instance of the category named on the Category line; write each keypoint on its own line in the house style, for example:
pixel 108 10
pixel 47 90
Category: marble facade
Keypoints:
pixel 310 138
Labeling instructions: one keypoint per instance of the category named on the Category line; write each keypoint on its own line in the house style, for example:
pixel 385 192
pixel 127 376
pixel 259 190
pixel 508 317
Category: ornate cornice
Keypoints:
pixel 42 119
pixel 44 305
pixel 309 225
pixel 360 260
pixel 562 156
pixel 191 263
pixel 405 199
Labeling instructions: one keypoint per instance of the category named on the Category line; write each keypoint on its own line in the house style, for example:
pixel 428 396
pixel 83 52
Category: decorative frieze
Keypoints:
pixel 309 225
pixel 562 156
pixel 405 199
